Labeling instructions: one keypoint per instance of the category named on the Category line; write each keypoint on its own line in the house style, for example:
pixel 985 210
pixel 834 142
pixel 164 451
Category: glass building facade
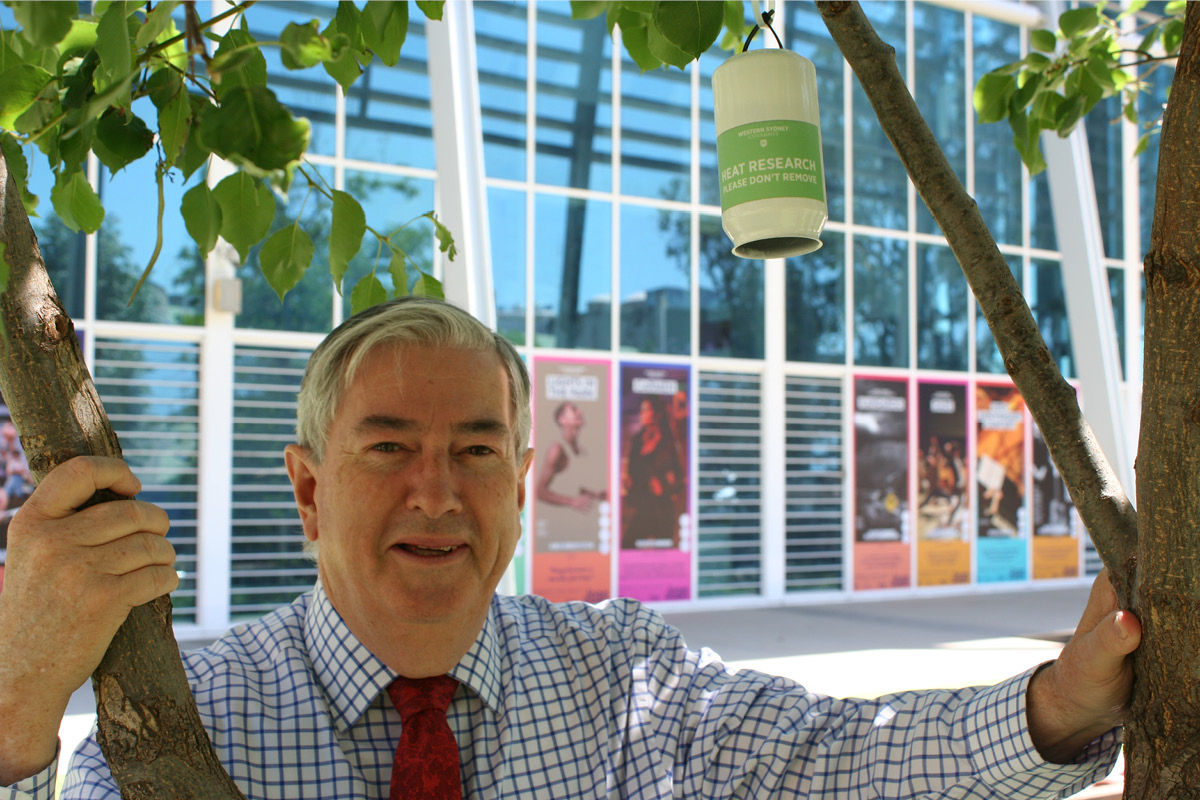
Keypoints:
pixel 606 246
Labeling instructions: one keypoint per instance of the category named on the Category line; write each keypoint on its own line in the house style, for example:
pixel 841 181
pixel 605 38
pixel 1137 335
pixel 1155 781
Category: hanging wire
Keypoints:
pixel 767 16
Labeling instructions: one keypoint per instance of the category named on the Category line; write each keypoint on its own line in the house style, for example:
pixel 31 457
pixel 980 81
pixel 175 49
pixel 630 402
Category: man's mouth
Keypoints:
pixel 428 552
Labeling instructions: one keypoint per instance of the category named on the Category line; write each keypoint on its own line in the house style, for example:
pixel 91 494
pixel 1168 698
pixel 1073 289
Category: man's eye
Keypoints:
pixel 480 450
pixel 385 447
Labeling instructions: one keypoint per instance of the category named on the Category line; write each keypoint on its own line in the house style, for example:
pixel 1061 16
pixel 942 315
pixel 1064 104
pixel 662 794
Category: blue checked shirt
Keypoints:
pixel 577 701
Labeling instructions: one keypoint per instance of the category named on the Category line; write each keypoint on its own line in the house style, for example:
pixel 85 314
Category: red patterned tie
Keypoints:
pixel 426 762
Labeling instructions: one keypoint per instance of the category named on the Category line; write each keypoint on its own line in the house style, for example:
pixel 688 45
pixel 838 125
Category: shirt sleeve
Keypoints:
pixel 747 734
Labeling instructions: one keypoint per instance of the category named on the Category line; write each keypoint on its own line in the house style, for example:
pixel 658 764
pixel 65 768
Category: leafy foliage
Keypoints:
pixel 1092 56
pixel 668 32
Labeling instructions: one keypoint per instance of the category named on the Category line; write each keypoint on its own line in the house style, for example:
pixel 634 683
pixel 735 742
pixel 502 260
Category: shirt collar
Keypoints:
pixel 353 677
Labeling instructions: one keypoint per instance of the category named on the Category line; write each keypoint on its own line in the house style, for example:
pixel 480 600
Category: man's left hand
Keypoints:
pixel 1085 692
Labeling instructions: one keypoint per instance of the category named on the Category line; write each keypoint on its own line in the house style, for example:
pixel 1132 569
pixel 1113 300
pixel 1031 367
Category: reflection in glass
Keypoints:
pixel 808 36
pixel 880 302
pixel 1042 233
pixel 500 36
pixel 309 306
pixel 574 100
pixel 572 273
pixel 998 177
pixel 939 43
pixel 308 92
pixel 987 354
pixel 506 223
pixel 174 292
pixel 731 297
pixel 1116 290
pixel 1049 304
pixel 1151 105
pixel 1103 125
pixel 388 115
pixel 656 132
pixel 880 182
pixel 389 202
pixel 941 310
pixel 816 303
pixel 656 297
pixel 710 189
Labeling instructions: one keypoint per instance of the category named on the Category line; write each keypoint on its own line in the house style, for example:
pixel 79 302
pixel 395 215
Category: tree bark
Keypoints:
pixel 150 730
pixel 1162 759
pixel 1102 503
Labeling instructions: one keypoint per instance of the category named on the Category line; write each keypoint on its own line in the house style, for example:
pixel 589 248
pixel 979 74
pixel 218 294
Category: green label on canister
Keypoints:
pixel 773 158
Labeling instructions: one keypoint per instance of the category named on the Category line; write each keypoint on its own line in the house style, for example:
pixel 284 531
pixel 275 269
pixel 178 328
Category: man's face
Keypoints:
pixel 417 502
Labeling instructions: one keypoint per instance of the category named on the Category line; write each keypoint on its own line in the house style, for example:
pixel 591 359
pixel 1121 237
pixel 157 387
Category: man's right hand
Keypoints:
pixel 70 580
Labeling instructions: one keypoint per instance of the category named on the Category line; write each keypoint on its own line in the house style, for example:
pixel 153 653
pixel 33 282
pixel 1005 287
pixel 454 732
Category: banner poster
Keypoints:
pixel 1002 548
pixel 655 562
pixel 516 577
pixel 1055 529
pixel 572 516
pixel 943 496
pixel 881 506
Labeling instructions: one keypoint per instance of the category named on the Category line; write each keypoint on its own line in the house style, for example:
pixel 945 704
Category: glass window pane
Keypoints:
pixel 656 296
pixel 388 116
pixel 506 222
pixel 880 302
pixel 808 36
pixel 880 182
pixel 573 272
pixel 998 176
pixel 731 297
pixel 1116 290
pixel 1103 125
pixel 1049 304
pixel 939 41
pixel 501 33
pixel 63 250
pixel 816 303
pixel 710 190
pixel 1151 105
pixel 656 132
pixel 574 100
pixel 389 202
pixel 174 292
pixel 941 310
pixel 308 92
pixel 1042 233
pixel 987 354
pixel 309 306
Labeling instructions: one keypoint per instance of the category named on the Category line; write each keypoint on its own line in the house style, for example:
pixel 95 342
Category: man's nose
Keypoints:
pixel 432 486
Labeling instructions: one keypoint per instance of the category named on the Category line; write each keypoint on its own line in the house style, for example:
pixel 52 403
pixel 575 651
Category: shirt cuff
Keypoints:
pixel 35 787
pixel 1005 756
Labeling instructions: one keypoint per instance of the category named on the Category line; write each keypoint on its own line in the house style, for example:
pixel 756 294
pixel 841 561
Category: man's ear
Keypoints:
pixel 522 471
pixel 302 471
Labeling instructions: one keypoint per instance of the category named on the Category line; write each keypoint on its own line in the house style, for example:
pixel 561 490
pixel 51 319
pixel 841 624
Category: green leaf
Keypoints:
pixel 991 96
pixel 253 129
pixel 18 167
pixel 1069 114
pixel 81 37
pixel 1043 40
pixel 121 138
pixel 662 49
pixel 1078 21
pixel 635 41
pixel 1101 73
pixel 1172 36
pixel 76 204
pixel 202 216
pixel 690 25
pixel 384 26
pixel 1132 8
pixel 194 154
pixel 1142 143
pixel 247 208
pixel 46 23
pixel 444 237
pixel 344 66
pixel 1045 108
pixel 304 46
pixel 588 9
pixel 432 9
pixel 347 20
pixel 19 88
pixel 237 62
pixel 367 292
pixel 285 257
pixel 1036 62
pixel 345 235
pixel 77 80
pixel 74 147
pixel 1130 111
pixel 156 22
pixel 735 16
pixel 428 286
pixel 1175 7
pixel 174 122
pixel 1148 40
pixel 114 47
pixel 396 268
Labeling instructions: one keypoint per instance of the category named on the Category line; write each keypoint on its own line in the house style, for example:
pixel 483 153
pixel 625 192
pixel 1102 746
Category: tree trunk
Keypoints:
pixel 1163 759
pixel 150 729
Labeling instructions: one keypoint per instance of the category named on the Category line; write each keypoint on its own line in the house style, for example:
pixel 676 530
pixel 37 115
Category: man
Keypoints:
pixel 409 478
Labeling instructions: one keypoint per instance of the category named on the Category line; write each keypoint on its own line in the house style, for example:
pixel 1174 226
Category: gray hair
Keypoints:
pixel 421 321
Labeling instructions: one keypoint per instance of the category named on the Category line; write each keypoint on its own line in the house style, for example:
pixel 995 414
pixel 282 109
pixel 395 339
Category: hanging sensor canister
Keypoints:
pixel 771 174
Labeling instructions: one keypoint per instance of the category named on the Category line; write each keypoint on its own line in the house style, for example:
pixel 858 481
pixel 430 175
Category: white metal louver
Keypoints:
pixel 815 484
